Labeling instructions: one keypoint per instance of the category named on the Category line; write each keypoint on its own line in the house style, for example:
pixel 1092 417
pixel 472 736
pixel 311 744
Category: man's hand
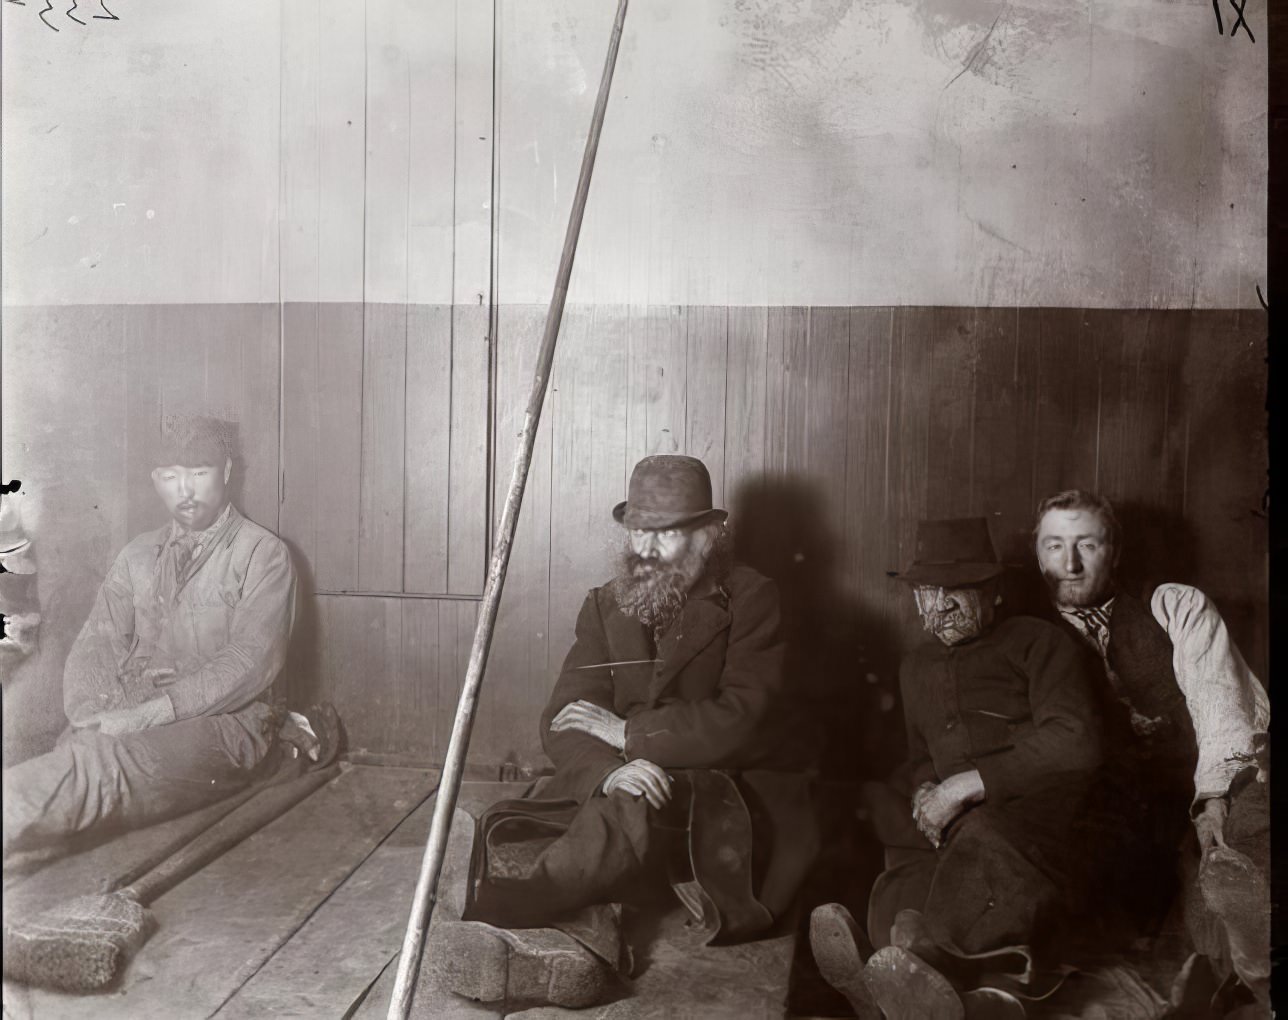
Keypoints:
pixel 935 807
pixel 640 778
pixel 159 676
pixel 593 720
pixel 1210 823
pixel 117 721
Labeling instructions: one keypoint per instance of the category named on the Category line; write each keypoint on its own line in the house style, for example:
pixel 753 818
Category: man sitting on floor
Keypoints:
pixel 1004 739
pixel 163 685
pixel 678 761
pixel 1187 723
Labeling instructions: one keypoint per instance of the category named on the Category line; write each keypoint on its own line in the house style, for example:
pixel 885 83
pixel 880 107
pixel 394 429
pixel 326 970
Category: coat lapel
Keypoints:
pixel 698 625
pixel 627 640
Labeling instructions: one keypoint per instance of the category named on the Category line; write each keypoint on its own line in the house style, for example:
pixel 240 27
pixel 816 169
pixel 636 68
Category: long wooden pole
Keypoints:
pixel 449 786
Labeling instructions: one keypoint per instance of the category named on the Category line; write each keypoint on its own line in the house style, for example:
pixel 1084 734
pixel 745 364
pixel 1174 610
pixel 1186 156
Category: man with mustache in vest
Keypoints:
pixel 1185 801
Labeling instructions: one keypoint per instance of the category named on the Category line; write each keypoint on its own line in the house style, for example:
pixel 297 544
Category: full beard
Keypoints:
pixel 655 592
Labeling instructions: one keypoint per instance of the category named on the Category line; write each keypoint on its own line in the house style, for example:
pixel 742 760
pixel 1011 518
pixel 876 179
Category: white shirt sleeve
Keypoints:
pixel 1226 701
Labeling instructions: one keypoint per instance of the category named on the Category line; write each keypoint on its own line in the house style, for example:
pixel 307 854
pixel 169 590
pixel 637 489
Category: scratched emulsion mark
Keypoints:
pixel 792 40
pixel 49 15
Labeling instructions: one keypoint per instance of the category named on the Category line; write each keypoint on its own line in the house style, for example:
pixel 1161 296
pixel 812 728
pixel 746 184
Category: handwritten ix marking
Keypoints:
pixel 1239 21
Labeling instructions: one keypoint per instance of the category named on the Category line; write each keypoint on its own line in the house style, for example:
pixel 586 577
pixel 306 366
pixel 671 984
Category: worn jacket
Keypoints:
pixel 1017 704
pixel 223 629
pixel 716 698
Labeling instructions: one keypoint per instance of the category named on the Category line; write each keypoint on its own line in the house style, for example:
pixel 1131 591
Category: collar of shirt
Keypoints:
pixel 195 540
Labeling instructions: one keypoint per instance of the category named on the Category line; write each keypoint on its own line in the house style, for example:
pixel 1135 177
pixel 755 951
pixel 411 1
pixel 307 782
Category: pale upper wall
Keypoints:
pixel 904 151
pixel 141 155
pixel 755 152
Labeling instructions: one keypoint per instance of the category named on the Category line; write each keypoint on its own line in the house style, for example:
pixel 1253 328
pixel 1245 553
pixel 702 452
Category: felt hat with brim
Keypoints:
pixel 668 491
pixel 953 553
pixel 194 440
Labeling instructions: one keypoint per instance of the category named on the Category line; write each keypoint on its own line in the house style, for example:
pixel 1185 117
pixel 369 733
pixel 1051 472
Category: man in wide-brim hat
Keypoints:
pixel 1004 737
pixel 677 762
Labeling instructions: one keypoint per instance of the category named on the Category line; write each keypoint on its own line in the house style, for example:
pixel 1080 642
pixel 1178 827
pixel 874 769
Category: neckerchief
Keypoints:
pixel 184 552
pixel 1092 622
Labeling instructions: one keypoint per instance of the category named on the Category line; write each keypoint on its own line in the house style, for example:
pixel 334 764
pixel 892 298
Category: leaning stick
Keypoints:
pixel 449 786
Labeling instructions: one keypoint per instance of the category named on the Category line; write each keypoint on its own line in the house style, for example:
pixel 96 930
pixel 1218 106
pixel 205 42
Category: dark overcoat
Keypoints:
pixel 711 696
pixel 1017 705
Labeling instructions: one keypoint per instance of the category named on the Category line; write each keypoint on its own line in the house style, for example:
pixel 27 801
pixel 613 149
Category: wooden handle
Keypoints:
pixel 449 786
pixel 245 820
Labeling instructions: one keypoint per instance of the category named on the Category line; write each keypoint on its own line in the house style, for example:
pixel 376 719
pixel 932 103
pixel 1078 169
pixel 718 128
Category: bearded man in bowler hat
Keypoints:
pixel 164 687
pixel 1004 739
pixel 678 762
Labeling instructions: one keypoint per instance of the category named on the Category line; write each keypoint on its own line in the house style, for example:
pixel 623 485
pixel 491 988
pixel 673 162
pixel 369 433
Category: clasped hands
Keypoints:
pixel 935 805
pixel 155 711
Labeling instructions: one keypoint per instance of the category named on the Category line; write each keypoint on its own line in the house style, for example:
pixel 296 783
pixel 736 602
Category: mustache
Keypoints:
pixel 635 564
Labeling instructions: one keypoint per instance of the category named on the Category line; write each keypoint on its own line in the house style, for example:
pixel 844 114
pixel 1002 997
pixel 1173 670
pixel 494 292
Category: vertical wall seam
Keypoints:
pixel 362 370
pixel 281 306
pixel 493 314
pixel 407 306
pixel 451 301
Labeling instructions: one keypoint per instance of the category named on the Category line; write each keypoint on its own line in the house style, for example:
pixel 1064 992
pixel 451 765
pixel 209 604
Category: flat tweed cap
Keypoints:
pixel 194 440
pixel 952 553
pixel 668 491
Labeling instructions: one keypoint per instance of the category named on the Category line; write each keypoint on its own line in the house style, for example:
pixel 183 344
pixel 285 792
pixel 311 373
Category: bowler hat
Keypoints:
pixel 952 553
pixel 667 491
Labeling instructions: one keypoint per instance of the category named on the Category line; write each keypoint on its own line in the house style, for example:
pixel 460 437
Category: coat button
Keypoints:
pixel 951 723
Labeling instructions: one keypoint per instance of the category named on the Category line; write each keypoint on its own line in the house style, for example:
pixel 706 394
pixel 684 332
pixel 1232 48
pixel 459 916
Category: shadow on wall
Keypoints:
pixel 300 680
pixel 842 659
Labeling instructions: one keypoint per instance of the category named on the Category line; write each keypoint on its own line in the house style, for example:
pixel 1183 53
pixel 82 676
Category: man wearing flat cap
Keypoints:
pixel 1004 739
pixel 678 762
pixel 163 686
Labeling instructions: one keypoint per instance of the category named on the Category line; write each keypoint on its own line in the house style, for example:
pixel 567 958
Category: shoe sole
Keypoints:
pixel 834 939
pixel 486 964
pixel 907 988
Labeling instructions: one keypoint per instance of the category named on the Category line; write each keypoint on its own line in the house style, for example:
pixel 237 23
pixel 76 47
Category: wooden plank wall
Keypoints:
pixel 387 115
pixel 829 432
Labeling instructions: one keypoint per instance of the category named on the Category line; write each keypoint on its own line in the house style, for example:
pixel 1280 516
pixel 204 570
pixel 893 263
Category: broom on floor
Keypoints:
pixel 82 945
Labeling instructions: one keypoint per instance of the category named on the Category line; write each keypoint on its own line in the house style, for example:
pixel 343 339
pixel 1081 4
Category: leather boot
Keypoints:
pixel 905 987
pixel 840 950
pixel 525 966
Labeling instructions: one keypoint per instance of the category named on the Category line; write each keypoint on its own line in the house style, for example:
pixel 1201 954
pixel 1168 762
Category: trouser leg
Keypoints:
pixel 905 886
pixel 91 780
pixel 986 894
pixel 613 847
